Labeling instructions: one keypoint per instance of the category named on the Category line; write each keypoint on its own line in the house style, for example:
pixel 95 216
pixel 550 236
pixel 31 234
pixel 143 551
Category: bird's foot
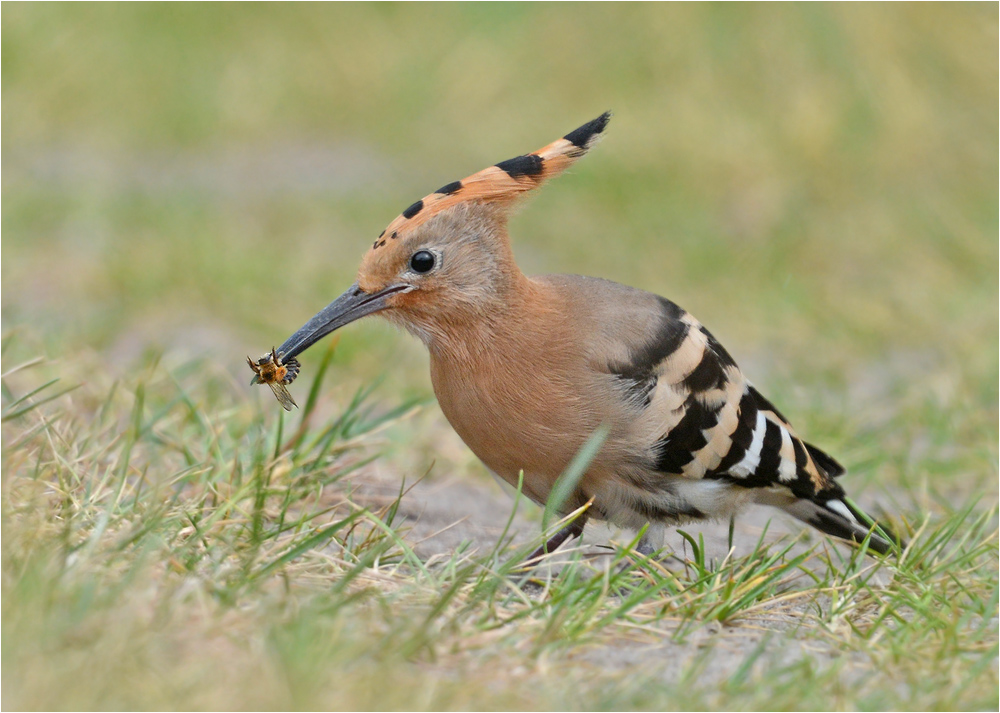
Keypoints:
pixel 651 540
pixel 573 529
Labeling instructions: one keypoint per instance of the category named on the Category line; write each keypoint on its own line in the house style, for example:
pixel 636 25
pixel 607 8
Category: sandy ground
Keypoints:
pixel 440 514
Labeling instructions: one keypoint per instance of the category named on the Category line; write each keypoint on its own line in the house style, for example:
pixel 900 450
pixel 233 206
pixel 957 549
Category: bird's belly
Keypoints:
pixel 516 430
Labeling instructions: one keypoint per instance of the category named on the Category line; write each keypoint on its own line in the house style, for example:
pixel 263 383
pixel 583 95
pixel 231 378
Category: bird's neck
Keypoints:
pixel 472 331
pixel 490 324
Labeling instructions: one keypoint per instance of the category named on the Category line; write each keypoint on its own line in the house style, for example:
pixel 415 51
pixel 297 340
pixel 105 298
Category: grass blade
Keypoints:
pixel 566 483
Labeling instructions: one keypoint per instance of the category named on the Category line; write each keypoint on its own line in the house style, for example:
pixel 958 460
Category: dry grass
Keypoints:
pixel 163 552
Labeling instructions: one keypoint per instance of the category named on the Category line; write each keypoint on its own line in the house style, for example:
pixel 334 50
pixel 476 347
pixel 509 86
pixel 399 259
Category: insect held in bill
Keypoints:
pixel 270 370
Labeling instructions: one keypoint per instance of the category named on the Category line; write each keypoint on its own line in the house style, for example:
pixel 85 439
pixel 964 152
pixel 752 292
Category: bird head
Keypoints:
pixel 447 258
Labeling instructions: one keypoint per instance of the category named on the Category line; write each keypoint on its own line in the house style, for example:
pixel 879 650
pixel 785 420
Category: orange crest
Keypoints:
pixel 500 184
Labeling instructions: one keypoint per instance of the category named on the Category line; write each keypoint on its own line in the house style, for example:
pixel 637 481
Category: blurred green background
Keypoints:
pixel 817 183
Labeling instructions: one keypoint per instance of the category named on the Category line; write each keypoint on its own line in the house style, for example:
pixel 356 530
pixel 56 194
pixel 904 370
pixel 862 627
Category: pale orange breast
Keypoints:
pixel 516 412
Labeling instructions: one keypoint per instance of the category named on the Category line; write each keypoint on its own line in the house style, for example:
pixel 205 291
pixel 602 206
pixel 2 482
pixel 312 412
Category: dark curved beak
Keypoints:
pixel 354 304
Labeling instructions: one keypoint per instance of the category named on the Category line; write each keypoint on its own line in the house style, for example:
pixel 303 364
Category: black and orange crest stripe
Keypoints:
pixel 450 189
pixel 527 165
pixel 584 137
pixel 501 183
pixel 413 209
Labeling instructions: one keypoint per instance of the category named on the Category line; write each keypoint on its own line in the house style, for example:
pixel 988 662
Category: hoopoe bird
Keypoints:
pixel 526 369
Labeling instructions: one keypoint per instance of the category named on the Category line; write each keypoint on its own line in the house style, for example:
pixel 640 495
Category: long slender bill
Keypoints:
pixel 354 304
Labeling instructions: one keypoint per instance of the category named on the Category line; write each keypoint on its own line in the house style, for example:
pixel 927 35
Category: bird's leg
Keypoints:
pixel 651 540
pixel 573 529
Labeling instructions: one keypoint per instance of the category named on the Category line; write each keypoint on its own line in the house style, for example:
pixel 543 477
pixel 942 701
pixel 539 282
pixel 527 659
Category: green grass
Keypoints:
pixel 167 545
pixel 185 185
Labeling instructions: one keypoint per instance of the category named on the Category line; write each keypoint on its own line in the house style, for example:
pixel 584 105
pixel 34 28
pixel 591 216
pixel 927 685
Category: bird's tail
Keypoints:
pixel 838 517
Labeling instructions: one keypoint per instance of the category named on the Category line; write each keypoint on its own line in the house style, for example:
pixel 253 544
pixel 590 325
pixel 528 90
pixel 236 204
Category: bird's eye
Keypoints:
pixel 422 261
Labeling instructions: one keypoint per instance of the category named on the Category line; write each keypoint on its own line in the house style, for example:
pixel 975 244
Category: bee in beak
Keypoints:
pixel 270 369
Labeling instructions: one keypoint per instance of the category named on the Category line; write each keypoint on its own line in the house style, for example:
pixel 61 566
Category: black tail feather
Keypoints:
pixel 835 517
pixel 826 463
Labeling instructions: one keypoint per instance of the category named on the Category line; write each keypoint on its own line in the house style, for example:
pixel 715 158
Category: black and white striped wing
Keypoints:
pixel 712 422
